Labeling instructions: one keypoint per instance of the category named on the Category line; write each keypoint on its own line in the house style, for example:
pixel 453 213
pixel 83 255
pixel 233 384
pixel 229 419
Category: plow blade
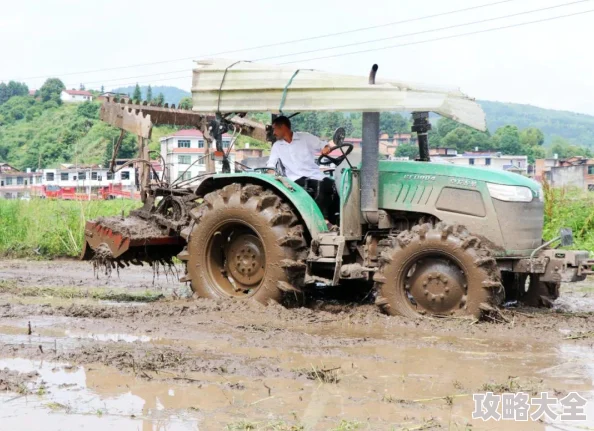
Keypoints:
pixel 127 240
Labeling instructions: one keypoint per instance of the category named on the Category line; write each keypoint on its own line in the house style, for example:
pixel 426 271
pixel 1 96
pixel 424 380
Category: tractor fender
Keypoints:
pixel 304 205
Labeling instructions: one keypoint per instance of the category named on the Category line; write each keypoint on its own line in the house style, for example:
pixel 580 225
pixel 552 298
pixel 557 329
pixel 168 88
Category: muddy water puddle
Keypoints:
pixel 386 378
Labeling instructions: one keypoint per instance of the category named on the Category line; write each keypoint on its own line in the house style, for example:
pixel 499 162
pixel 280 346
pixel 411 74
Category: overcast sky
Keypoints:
pixel 548 64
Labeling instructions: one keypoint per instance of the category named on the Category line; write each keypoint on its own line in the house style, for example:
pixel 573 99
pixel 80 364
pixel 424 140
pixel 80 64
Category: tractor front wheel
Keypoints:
pixel 437 270
pixel 244 242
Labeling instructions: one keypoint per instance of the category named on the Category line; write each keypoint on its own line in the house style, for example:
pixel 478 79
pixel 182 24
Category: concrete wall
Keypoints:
pixel 568 176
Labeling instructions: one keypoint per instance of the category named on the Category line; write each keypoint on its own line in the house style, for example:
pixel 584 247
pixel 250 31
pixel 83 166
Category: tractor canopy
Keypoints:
pixel 239 86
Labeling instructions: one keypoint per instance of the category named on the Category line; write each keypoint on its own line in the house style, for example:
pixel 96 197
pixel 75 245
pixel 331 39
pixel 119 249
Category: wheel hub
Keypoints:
pixel 245 259
pixel 438 286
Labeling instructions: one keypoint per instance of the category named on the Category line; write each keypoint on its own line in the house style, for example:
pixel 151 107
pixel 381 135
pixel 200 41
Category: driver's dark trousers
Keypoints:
pixel 320 191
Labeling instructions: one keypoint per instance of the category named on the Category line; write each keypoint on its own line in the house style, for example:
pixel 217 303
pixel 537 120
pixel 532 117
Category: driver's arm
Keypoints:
pixel 272 160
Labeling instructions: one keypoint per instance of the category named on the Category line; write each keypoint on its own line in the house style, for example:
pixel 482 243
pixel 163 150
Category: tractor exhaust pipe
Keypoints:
pixel 370 161
pixel 421 126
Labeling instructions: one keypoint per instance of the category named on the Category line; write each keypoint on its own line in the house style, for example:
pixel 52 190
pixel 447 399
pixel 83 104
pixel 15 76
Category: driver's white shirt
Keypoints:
pixel 298 157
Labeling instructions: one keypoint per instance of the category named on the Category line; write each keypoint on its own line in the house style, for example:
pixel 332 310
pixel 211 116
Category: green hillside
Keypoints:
pixel 575 128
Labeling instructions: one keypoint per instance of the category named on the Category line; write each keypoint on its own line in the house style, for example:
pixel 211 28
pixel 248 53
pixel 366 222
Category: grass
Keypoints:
pixel 569 208
pixel 513 384
pixel 323 375
pixel 51 228
pixel 119 295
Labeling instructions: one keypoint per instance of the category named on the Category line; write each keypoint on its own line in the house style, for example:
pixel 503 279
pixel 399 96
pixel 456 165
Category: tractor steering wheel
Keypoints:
pixel 338 138
pixel 328 160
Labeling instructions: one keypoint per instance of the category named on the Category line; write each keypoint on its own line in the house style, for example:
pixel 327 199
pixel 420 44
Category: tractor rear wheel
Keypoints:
pixel 437 270
pixel 245 243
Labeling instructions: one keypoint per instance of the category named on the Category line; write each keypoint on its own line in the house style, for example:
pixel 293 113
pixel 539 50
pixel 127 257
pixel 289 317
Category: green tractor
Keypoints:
pixel 428 238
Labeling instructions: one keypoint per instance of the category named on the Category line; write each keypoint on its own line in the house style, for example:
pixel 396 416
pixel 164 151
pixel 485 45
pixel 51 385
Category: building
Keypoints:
pixel 517 164
pixel 247 153
pixel 443 152
pixel 15 184
pixel 183 153
pixel 75 96
pixel 573 172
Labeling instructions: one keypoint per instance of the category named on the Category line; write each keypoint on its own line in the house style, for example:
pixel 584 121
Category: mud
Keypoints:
pixel 211 365
pixel 132 227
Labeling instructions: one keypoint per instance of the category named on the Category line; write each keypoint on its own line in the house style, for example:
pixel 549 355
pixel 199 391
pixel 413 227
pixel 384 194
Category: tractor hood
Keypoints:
pixel 228 86
pixel 461 172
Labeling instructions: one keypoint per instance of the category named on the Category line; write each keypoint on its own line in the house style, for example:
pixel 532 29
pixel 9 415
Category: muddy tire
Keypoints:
pixel 437 270
pixel 244 242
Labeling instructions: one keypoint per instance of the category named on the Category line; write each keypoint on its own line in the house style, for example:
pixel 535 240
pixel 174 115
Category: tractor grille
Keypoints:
pixel 521 223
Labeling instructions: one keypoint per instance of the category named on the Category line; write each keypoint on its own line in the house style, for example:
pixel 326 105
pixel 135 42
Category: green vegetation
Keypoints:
pixel 576 128
pixel 45 228
pixel 41 132
pixel 573 209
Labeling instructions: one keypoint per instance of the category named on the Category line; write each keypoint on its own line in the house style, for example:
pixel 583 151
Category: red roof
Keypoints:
pixel 32 92
pixel 78 93
pixel 189 133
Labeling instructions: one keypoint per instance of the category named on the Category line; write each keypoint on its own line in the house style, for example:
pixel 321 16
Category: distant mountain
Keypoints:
pixel 172 94
pixel 576 128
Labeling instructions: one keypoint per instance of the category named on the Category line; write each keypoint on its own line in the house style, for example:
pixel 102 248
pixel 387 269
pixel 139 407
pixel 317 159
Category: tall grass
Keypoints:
pixel 51 228
pixel 571 208
pixel 47 228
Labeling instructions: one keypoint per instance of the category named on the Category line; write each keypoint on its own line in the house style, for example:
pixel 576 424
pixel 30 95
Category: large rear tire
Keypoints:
pixel 437 270
pixel 245 243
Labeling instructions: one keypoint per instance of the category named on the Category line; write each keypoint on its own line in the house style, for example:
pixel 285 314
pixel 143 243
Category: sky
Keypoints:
pixel 547 64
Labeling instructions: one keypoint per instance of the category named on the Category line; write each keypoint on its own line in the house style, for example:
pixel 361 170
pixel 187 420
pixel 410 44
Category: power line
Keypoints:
pixel 442 38
pixel 270 45
pixel 424 31
pixel 369 41
pixel 410 43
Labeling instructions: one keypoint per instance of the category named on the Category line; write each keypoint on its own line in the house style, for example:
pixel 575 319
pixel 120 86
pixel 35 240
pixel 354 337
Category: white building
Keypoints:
pixel 517 164
pixel 76 96
pixel 15 184
pixel 89 176
pixel 183 153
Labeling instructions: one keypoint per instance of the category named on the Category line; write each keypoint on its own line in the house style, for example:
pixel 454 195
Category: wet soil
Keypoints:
pixel 182 363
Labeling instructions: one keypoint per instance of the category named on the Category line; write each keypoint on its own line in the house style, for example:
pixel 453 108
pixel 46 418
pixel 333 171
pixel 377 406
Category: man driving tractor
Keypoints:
pixel 297 152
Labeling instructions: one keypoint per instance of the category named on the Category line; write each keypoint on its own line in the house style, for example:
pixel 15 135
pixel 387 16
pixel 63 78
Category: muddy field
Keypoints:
pixel 134 352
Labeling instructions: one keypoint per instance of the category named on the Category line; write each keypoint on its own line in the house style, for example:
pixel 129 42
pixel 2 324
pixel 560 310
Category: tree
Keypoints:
pixel 507 140
pixel 81 87
pixel 565 150
pixel 149 94
pixel 159 100
pixel 51 89
pixel 531 137
pixel 391 123
pixel 445 126
pixel 11 90
pixel 185 103
pixel 102 89
pixel 137 96
pixel 407 150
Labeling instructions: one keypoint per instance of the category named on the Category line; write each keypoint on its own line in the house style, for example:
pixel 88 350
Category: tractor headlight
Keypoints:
pixel 510 193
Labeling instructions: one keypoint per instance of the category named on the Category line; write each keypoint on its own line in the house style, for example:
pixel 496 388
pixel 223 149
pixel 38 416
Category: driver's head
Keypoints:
pixel 281 127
